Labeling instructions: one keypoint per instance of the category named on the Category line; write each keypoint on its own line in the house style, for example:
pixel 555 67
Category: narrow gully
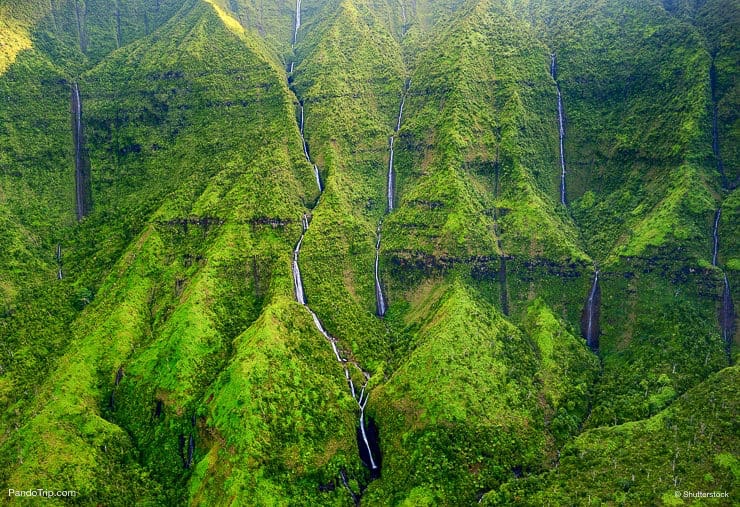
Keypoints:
pixel 82 176
pixel 726 314
pixel 715 124
pixel 380 303
pixel 379 299
pixel 715 236
pixel 366 441
pixel 561 128
pixel 590 317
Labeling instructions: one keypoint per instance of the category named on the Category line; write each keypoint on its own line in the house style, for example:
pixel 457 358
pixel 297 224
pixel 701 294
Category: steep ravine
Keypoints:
pixel 82 163
pixel 726 314
pixel 380 302
pixel 590 328
pixel 367 435
pixel 561 127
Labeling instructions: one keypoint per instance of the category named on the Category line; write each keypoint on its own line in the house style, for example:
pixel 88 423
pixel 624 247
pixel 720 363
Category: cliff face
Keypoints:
pixel 252 181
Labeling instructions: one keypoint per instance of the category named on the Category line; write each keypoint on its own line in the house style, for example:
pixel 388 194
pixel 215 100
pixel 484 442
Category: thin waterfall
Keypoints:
pixel 355 497
pixel 400 113
pixel 391 178
pixel 590 318
pixel 379 299
pixel 715 236
pixel 318 178
pixel 561 127
pixel 59 261
pixel 303 139
pixel 82 169
pixel 297 21
pixel 301 127
pixel 297 282
pixel 380 304
pixel 391 174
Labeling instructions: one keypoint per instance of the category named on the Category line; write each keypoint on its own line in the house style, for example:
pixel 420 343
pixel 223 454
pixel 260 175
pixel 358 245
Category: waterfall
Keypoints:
pixel 301 127
pixel 82 170
pixel 343 475
pixel 361 400
pixel 715 236
pixel 191 451
pixel 297 21
pixel 59 261
pixel 303 139
pixel 391 175
pixel 318 178
pixel 391 178
pixel 379 300
pixel 367 444
pixel 380 304
pixel 77 107
pixel 561 127
pixel 400 113
pixel 297 282
pixel 590 318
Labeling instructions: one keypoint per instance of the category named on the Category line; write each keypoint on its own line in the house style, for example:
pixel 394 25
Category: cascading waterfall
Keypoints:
pixel 561 127
pixel 380 303
pixel 366 442
pixel 590 318
pixel 360 399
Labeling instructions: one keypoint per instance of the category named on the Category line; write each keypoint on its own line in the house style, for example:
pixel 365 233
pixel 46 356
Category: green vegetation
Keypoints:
pixel 175 322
